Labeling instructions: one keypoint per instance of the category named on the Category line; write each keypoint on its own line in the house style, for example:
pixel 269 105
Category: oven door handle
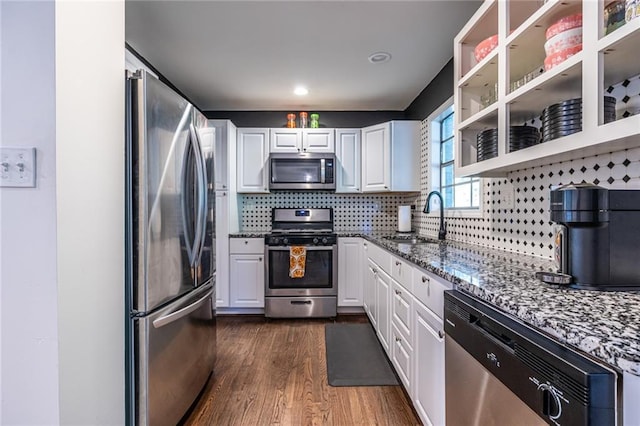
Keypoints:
pixel 309 248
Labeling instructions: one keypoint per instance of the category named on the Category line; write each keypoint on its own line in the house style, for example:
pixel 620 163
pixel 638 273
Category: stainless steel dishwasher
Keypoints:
pixel 499 371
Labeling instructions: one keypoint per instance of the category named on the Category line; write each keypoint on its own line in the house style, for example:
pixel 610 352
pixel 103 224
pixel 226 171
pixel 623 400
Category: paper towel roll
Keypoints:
pixel 404 218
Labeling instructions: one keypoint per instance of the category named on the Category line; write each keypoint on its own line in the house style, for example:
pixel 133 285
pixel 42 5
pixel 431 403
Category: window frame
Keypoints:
pixel 435 156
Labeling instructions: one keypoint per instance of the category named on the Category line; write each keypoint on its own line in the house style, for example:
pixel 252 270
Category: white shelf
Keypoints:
pixel 629 30
pixel 482 119
pixel 620 134
pixel 485 72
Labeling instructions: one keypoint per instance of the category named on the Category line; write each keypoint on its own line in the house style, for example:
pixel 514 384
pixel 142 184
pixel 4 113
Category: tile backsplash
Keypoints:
pixel 374 212
pixel 524 226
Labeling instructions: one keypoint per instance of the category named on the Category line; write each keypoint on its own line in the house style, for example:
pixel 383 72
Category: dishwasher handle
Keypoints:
pixel 484 326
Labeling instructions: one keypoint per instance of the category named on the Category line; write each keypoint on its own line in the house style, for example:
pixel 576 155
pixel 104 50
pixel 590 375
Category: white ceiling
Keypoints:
pixel 249 55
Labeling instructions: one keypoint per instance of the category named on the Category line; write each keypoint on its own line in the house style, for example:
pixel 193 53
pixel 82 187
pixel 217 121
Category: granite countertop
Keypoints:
pixel 605 325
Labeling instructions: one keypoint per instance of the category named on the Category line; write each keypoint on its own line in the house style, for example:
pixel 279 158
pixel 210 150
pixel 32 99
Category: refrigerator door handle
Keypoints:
pixel 174 316
pixel 202 196
pixel 188 211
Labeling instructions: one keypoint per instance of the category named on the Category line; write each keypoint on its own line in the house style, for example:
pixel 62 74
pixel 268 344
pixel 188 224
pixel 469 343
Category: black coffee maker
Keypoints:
pixel 597 239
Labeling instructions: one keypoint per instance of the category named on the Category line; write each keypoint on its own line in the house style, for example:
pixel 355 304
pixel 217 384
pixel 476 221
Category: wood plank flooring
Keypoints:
pixel 273 372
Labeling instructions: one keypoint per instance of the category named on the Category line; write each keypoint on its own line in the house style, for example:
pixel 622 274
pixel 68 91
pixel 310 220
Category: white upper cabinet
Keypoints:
pixel 349 160
pixel 225 144
pixel 515 82
pixel 302 140
pixel 253 155
pixel 391 157
pixel 285 140
pixel 318 140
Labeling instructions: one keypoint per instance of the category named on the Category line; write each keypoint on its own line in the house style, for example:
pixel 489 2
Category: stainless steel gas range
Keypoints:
pixel 303 237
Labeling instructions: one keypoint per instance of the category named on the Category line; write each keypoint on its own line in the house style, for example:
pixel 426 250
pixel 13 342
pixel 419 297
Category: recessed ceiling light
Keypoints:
pixel 379 57
pixel 301 91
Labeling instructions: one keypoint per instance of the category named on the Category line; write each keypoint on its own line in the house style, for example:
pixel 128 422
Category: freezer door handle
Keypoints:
pixel 174 316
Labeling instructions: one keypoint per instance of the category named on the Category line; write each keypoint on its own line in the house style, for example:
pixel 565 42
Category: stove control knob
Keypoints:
pixel 324 240
pixel 275 240
pixel 285 241
pixel 315 241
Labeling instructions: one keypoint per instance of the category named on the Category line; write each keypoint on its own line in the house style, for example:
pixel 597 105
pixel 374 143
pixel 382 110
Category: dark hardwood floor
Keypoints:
pixel 273 372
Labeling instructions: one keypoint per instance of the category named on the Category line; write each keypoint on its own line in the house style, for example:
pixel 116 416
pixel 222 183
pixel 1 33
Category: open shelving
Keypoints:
pixel 605 61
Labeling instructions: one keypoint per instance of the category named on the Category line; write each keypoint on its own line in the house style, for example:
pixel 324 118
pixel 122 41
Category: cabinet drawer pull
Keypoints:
pixel 246 242
pixel 398 339
pixel 259 259
pixel 398 292
pixel 397 263
pixel 425 279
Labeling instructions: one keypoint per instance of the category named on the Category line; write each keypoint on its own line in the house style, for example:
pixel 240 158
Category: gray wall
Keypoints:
pixel 29 337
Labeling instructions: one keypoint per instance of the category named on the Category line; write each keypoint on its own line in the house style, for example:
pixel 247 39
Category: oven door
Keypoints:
pixel 320 277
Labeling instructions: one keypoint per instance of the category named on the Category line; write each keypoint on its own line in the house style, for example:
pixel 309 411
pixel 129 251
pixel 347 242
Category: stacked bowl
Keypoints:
pixel 564 39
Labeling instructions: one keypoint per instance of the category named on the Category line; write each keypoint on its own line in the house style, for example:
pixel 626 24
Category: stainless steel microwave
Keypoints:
pixel 302 171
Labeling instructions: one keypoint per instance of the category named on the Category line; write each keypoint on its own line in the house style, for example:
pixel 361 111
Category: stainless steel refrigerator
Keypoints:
pixel 170 237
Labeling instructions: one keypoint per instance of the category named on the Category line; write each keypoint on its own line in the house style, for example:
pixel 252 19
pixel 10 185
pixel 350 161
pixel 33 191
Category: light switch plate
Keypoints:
pixel 17 167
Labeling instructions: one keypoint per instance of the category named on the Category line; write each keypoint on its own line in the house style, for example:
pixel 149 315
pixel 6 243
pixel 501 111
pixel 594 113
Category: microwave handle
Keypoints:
pixel 322 171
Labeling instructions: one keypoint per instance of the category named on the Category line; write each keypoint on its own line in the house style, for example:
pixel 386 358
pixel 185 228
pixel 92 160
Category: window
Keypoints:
pixel 458 193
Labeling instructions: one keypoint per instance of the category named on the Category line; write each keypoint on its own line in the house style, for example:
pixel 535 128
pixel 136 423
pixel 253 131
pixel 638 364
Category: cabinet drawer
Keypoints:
pixel 246 245
pixel 402 272
pixel 401 309
pixel 429 289
pixel 401 356
pixel 380 256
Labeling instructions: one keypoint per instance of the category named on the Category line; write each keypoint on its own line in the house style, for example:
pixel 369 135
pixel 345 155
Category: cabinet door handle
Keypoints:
pixel 259 259
pixel 441 334
pixel 397 263
pixel 398 339
pixel 425 279
pixel 246 242
pixel 398 292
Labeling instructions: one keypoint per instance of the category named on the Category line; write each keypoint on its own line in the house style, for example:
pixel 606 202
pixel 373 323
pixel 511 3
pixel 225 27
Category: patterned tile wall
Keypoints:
pixel 376 212
pixel 524 226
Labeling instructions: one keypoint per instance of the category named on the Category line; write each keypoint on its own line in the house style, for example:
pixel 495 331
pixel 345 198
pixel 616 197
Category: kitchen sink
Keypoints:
pixel 412 241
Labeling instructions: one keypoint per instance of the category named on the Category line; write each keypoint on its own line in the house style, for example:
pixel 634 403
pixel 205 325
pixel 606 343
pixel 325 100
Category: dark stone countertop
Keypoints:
pixel 603 324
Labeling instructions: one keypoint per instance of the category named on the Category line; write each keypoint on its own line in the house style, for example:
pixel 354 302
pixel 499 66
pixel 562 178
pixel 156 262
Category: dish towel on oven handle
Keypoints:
pixel 297 259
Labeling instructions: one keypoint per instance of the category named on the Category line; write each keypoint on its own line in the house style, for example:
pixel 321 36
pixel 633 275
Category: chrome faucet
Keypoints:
pixel 443 226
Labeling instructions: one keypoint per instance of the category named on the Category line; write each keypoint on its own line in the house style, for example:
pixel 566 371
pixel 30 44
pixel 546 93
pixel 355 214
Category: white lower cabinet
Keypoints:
pixel 246 267
pixel 428 354
pixel 383 308
pixel 369 292
pixel 402 334
pixel 405 305
pixel 222 249
pixel 402 357
pixel 349 272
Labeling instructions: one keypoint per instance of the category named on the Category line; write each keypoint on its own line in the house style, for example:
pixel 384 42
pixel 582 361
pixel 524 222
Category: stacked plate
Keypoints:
pixel 565 118
pixel 609 109
pixel 561 119
pixel 522 137
pixel 487 144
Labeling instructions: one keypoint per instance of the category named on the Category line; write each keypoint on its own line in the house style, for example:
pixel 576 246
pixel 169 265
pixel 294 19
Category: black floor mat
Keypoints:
pixel 355 357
